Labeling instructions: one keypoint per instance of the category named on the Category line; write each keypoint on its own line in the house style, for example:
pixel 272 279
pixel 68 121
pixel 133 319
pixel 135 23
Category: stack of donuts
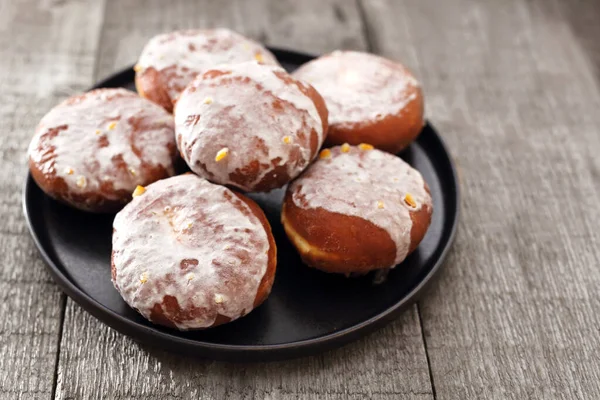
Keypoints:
pixel 192 251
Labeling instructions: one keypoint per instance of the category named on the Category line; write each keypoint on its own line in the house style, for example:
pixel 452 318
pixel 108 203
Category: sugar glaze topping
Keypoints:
pixel 192 240
pixel 237 115
pixel 359 87
pixel 181 55
pixel 369 184
pixel 105 135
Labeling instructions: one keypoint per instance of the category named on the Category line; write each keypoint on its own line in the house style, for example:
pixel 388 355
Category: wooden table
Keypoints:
pixel 514 88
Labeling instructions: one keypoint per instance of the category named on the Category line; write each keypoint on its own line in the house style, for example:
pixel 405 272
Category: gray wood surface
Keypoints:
pixel 515 313
pixel 514 86
pixel 47 51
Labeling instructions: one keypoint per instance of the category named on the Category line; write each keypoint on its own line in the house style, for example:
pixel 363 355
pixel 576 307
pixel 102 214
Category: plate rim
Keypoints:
pixel 150 335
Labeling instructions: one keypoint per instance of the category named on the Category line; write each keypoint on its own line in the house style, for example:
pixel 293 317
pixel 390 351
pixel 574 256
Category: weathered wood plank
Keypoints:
pixel 97 362
pixel 313 26
pixel 48 51
pixel 509 85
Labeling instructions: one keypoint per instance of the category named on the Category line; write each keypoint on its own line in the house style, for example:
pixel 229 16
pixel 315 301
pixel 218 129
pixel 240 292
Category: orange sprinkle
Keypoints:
pixel 345 148
pixel 69 171
pixel 287 139
pixel 221 154
pixel 144 278
pixel 380 204
pixel 137 68
pixel 98 131
pixel 408 199
pixel 259 57
pixel 208 100
pixel 365 146
pixel 132 171
pixel 139 190
pixel 112 125
pixel 81 182
pixel 325 153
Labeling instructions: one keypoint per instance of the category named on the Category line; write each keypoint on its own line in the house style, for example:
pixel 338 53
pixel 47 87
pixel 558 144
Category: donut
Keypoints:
pixel 250 126
pixel 356 209
pixel 370 99
pixel 92 150
pixel 189 254
pixel 170 61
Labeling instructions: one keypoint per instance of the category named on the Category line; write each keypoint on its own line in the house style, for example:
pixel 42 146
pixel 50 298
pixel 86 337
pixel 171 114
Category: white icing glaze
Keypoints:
pixel 369 184
pixel 188 218
pixel 241 117
pixel 185 54
pixel 359 87
pixel 80 140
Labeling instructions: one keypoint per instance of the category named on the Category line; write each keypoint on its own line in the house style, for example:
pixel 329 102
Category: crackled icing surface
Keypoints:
pixel 181 55
pixel 257 113
pixel 359 87
pixel 188 239
pixel 369 184
pixel 104 137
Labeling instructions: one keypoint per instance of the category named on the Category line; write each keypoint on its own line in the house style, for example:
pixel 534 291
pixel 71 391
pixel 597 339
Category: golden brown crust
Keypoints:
pixel 371 99
pixel 55 187
pixel 149 85
pixel 391 133
pixel 338 243
pixel 170 306
pixel 95 201
pixel 110 191
pixel 319 103
pixel 267 281
pixel 421 219
pixel 345 244
pixel 170 61
pixel 260 154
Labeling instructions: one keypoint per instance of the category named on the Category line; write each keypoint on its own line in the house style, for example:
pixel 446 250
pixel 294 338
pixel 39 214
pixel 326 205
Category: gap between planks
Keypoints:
pixel 64 297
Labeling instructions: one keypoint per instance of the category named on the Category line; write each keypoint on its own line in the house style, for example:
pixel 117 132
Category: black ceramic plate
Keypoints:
pixel 307 312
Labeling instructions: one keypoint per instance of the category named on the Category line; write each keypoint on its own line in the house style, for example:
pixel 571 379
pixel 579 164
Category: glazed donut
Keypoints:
pixel 356 209
pixel 92 150
pixel 189 254
pixel 170 61
pixel 249 125
pixel 370 99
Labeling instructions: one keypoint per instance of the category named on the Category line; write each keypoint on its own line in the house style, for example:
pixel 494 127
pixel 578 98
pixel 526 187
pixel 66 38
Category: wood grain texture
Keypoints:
pixel 96 362
pixel 48 51
pixel 513 87
pixel 314 26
